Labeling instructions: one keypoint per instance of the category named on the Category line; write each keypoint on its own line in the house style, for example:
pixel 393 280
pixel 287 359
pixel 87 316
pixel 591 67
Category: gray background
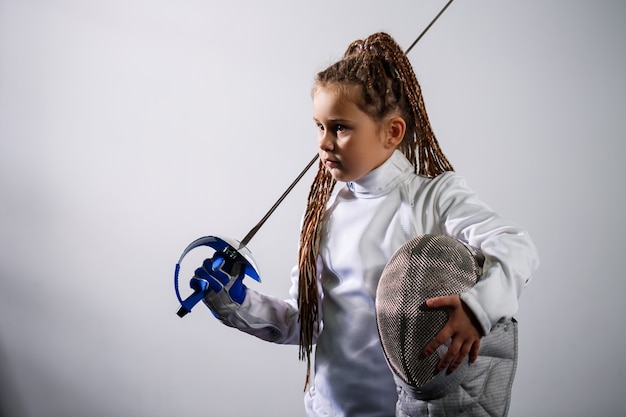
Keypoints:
pixel 131 127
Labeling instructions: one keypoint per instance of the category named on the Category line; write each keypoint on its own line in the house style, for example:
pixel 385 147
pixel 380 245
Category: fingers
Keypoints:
pixel 454 357
pixel 457 353
pixel 451 302
pixel 463 335
pixel 447 301
pixel 214 284
pixel 216 278
pixel 212 267
pixel 441 338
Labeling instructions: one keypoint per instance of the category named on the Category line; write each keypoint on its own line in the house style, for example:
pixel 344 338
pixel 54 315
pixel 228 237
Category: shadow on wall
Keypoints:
pixel 10 401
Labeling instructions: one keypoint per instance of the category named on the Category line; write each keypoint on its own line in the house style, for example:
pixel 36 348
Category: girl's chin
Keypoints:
pixel 336 173
pixel 340 176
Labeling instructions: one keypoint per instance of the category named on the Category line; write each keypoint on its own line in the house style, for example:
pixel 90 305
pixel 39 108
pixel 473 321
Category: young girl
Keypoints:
pixel 375 138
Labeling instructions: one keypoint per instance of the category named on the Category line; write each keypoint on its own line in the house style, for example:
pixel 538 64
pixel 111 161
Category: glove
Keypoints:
pixel 224 276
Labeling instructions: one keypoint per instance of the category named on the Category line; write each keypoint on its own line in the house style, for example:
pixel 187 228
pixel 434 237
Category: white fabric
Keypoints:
pixel 366 222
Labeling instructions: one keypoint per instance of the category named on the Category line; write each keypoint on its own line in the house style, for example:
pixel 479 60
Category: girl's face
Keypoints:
pixel 351 143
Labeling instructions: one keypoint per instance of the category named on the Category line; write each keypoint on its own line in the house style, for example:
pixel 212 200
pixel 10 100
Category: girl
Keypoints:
pixel 375 138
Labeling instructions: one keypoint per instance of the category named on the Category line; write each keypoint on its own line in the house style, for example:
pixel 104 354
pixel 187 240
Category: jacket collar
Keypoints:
pixel 383 179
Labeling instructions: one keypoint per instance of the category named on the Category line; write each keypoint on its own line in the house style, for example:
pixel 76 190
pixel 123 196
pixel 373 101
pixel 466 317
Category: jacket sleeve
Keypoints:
pixel 264 316
pixel 510 255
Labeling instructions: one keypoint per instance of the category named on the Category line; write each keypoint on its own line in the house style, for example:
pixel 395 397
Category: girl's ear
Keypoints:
pixel 396 127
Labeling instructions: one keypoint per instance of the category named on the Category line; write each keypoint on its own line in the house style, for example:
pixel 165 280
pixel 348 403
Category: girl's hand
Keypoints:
pixel 461 327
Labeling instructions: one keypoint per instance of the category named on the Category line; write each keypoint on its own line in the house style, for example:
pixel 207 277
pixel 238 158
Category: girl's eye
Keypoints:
pixel 340 128
pixel 320 126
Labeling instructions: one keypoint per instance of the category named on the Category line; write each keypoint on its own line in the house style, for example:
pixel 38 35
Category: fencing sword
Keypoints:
pixel 230 252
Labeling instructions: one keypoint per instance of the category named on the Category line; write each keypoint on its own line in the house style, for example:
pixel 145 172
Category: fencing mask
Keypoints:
pixel 426 266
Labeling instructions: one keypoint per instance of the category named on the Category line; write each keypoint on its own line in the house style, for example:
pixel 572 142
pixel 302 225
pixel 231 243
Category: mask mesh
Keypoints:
pixel 424 267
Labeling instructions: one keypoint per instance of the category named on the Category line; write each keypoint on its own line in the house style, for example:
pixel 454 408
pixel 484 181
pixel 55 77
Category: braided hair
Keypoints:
pixel 378 76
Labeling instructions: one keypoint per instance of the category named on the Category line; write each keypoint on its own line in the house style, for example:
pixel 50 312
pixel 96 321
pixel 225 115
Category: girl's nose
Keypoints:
pixel 324 141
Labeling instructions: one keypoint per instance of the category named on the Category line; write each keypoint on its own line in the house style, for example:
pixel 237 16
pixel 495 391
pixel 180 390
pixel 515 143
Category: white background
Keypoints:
pixel 128 128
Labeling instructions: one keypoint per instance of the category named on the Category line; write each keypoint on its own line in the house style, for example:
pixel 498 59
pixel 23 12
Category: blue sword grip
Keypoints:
pixel 201 288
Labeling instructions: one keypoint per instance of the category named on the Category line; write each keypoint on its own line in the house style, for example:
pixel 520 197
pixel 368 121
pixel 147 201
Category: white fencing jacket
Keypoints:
pixel 366 221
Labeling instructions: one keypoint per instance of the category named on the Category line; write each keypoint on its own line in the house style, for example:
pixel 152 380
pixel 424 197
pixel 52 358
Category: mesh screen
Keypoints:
pixel 426 266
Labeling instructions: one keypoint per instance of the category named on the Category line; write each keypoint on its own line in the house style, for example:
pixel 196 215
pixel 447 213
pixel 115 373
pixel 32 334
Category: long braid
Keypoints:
pixel 386 83
pixel 308 296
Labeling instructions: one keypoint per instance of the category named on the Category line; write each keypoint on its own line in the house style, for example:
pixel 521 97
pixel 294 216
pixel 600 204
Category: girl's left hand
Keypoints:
pixel 461 327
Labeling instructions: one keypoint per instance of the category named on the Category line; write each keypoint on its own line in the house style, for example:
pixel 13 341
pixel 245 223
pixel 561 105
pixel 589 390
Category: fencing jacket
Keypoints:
pixel 366 221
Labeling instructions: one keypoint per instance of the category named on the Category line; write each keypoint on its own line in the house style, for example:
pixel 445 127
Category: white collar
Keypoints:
pixel 381 180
